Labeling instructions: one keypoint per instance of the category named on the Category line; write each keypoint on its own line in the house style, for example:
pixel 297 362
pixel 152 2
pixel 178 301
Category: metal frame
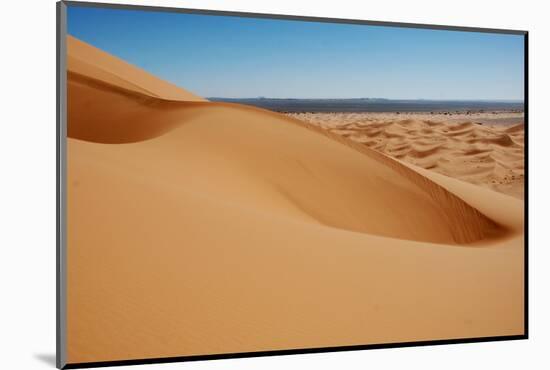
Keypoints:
pixel 61 255
pixel 61 186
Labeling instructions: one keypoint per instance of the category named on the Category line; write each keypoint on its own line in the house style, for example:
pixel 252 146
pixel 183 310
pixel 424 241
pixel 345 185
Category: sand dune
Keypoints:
pixel 197 227
pixel 97 65
pixel 486 155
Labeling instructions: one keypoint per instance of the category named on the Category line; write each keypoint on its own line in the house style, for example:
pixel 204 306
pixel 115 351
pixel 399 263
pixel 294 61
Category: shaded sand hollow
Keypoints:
pixel 199 228
pixel 485 149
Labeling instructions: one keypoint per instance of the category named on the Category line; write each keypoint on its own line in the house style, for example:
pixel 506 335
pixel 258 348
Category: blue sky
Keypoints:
pixel 221 56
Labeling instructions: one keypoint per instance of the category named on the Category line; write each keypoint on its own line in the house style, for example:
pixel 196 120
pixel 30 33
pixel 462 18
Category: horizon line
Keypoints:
pixel 371 98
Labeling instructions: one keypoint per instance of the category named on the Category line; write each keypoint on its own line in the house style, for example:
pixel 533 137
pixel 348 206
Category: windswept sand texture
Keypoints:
pixel 485 149
pixel 200 228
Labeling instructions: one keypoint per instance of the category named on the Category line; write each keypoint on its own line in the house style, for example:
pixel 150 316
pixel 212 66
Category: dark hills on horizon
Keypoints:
pixel 296 105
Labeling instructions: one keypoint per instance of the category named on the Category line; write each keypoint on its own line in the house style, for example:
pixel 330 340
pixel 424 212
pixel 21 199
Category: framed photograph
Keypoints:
pixel 235 184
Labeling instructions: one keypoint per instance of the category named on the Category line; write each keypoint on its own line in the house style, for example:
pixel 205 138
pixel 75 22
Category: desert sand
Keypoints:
pixel 483 148
pixel 201 228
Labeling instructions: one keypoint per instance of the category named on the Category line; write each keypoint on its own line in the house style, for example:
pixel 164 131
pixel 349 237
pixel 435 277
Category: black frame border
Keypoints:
pixel 61 194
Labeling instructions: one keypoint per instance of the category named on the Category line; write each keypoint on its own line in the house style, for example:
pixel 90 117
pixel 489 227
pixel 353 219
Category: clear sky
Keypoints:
pixel 234 57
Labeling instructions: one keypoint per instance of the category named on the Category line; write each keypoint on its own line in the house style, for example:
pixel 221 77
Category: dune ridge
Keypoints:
pixel 486 155
pixel 197 227
pixel 458 211
pixel 105 67
pixel 104 127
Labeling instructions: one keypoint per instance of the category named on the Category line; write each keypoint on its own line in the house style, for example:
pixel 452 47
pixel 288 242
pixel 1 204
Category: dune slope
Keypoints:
pixel 197 227
pixel 486 155
pixel 87 60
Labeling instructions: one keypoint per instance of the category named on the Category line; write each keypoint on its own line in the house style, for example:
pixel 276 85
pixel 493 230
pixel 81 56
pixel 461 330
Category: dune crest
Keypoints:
pixel 488 155
pixel 197 227
pixel 101 66
pixel 124 116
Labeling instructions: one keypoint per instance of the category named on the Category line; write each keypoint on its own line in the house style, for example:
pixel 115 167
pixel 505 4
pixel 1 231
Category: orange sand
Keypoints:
pixel 456 145
pixel 199 228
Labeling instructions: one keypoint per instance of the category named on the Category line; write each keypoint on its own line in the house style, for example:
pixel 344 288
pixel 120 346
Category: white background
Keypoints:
pixel 27 183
